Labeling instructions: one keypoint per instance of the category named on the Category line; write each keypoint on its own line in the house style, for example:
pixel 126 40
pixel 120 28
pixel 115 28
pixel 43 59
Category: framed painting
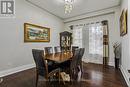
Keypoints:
pixel 35 33
pixel 123 23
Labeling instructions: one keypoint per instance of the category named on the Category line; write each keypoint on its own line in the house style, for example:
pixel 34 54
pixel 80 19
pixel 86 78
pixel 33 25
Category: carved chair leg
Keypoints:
pixel 47 81
pixel 36 79
pixel 59 76
pixel 81 66
pixel 71 79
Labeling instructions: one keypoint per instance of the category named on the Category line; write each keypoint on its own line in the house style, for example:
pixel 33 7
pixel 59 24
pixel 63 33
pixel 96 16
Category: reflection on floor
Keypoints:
pixel 94 76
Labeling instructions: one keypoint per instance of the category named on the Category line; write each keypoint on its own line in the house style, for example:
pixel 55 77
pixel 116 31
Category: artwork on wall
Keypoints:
pixel 35 33
pixel 123 23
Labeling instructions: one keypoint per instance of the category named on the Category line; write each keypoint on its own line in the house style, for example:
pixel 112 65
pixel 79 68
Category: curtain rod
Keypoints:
pixel 90 17
pixel 86 23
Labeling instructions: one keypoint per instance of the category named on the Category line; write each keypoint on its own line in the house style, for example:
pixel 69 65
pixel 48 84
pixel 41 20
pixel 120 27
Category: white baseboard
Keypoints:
pixel 15 70
pixel 88 61
pixel 111 64
pixel 125 75
pixel 84 60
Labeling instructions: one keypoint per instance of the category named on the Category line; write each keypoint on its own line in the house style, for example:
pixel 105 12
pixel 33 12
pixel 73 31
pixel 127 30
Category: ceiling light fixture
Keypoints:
pixel 68 5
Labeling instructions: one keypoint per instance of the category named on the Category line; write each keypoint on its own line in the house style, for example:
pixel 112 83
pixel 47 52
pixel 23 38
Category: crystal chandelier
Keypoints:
pixel 68 5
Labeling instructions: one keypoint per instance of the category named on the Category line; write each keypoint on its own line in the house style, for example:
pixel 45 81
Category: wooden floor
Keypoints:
pixel 94 76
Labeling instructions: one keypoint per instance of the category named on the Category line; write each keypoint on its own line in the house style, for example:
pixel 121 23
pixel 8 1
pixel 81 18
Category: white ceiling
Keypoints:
pixel 56 7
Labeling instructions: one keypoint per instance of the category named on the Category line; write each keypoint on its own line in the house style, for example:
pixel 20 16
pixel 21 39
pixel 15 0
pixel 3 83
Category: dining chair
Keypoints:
pixel 79 60
pixel 57 49
pixel 42 68
pixel 48 50
pixel 70 67
pixel 74 48
pixel 73 65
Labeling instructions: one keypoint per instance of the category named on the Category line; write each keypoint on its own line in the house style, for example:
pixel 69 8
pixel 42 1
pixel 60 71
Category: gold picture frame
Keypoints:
pixel 123 23
pixel 36 33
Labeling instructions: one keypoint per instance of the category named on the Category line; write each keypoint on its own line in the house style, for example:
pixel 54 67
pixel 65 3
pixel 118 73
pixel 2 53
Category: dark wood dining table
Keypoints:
pixel 59 57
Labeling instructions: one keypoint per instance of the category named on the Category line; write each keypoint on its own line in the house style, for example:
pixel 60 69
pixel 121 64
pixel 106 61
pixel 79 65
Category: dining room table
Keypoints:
pixel 59 57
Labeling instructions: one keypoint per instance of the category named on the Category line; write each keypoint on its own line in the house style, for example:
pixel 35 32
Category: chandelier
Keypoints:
pixel 68 5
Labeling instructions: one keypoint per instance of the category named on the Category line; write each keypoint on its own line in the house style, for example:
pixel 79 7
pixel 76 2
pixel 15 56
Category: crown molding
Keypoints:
pixel 92 14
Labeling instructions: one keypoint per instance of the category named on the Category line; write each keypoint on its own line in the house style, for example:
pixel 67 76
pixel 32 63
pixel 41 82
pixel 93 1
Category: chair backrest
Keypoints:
pixel 73 66
pixel 75 57
pixel 57 49
pixel 81 53
pixel 74 48
pixel 39 60
pixel 48 50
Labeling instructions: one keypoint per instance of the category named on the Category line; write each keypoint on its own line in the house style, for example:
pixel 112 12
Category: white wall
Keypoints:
pixel 113 30
pixel 125 48
pixel 14 52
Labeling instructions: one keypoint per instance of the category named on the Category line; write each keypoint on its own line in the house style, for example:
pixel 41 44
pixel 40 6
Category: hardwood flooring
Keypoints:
pixel 94 76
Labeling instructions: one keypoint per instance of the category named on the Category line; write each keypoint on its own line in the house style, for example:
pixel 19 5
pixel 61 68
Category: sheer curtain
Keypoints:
pixel 93 42
pixel 95 39
pixel 90 36
pixel 77 36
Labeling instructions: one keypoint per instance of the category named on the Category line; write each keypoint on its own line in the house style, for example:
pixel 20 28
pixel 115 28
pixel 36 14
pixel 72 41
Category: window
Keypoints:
pixel 77 36
pixel 95 39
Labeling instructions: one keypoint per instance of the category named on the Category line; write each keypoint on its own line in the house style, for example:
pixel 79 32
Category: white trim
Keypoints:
pixel 93 14
pixel 111 64
pixel 15 70
pixel 100 62
pixel 125 75
pixel 85 60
